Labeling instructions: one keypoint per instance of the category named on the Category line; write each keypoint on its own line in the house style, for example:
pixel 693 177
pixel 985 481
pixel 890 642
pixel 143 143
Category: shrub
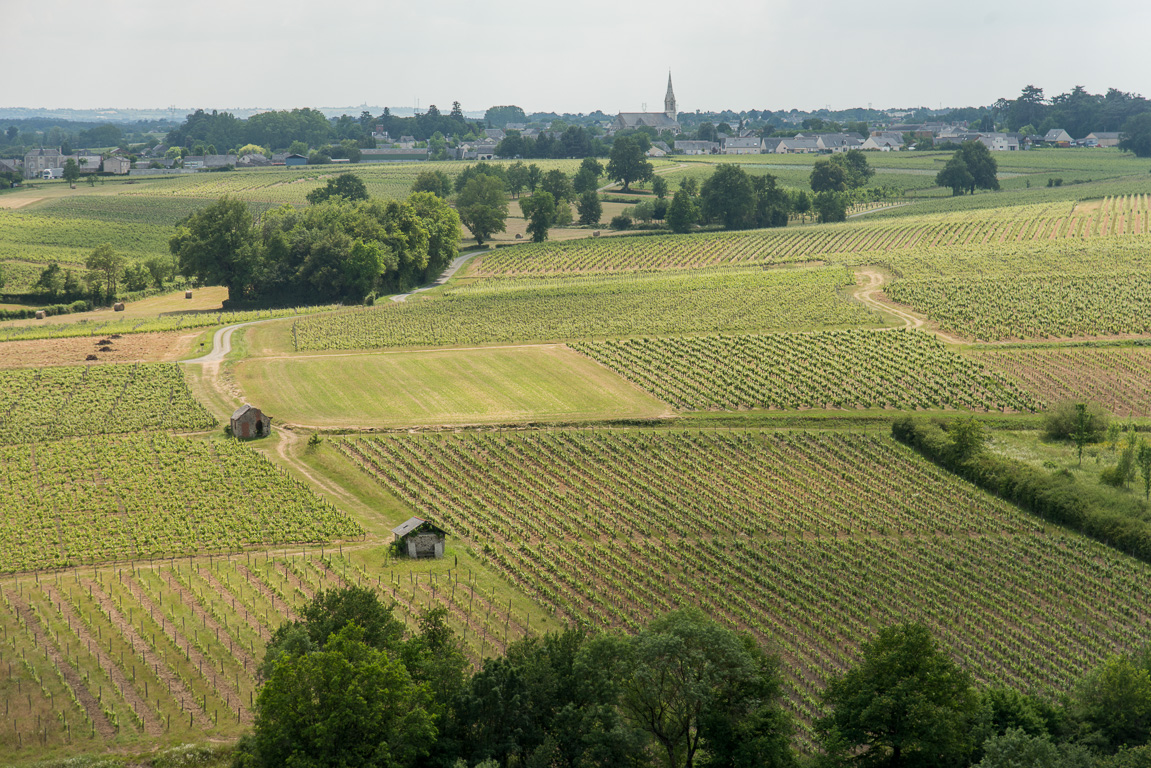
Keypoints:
pixel 621 222
pixel 1062 422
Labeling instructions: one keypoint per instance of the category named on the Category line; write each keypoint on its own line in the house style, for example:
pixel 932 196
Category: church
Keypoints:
pixel 661 121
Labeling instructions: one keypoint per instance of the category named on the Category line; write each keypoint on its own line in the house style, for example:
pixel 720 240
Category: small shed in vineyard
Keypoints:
pixel 420 538
pixel 249 421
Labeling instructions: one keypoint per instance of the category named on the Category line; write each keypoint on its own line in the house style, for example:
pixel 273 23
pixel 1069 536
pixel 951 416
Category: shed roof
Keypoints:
pixel 242 410
pixel 413 524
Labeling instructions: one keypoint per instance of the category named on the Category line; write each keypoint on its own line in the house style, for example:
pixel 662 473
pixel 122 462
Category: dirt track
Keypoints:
pixel 871 282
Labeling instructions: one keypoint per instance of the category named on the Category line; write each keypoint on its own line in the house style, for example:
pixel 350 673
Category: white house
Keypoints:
pixel 882 144
pixel 742 146
pixel 797 146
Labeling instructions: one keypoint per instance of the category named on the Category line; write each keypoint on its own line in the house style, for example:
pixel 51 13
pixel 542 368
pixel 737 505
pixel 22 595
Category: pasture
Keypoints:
pixel 446 387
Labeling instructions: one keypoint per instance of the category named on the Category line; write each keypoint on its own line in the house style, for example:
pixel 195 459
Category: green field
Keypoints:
pixel 51 403
pixel 127 497
pixel 441 387
pixel 596 307
pixel 833 369
pixel 809 541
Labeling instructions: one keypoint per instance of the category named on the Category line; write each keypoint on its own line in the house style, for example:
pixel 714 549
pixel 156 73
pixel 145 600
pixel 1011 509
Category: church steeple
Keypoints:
pixel 669 99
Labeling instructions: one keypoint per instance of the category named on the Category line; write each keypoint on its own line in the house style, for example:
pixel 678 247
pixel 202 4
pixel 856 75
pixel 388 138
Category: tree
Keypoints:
pixel 590 209
pixel 695 686
pixel 71 171
pixel 827 176
pixel 904 703
pixel 517 178
pixel 1143 459
pixel 980 163
pixel 540 210
pixel 682 213
pixel 534 177
pixel 955 175
pixel 1137 135
pixel 436 182
pixel 107 267
pixel 1063 420
pixel 659 186
pixel 557 183
pixel 627 162
pixel 856 168
pixel 1017 748
pixel 1113 704
pixel 216 245
pixel 831 206
pixel 346 703
pixel 253 149
pixel 482 207
pixel 968 438
pixel 728 196
pixel 347 185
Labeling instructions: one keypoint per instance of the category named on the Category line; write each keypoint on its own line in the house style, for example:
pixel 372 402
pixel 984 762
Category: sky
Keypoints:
pixel 564 57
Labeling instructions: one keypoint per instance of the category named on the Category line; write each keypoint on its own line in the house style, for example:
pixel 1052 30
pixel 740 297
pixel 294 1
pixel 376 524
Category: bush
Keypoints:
pixel 621 222
pixel 1062 422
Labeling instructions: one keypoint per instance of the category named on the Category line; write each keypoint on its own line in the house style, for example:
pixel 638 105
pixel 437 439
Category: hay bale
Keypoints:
pixel 91 357
pixel 187 294
pixel 595 234
pixel 118 306
pixel 40 314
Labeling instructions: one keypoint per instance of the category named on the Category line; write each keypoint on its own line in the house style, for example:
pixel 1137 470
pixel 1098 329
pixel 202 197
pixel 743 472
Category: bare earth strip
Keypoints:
pixel 91 707
pixel 176 687
pixel 152 725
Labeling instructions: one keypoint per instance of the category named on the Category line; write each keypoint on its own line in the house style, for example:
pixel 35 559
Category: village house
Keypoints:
pixel 249 421
pixel 419 538
pixel 748 146
pixel 838 142
pixel 800 145
pixel 1057 137
pixel 39 160
pixel 882 143
pixel 117 165
pixel 1102 139
pixel 11 166
pixel 690 147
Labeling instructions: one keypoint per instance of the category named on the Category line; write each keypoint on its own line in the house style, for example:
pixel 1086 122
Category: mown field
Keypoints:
pixel 808 541
pixel 832 369
pixel 544 309
pixel 473 386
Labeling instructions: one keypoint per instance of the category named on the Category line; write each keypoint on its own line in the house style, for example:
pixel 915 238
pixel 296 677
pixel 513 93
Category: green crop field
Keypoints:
pixel 1052 223
pixel 596 307
pixel 1056 306
pixel 1117 377
pixel 832 369
pixel 808 541
pixel 50 403
pixel 441 387
pixel 124 497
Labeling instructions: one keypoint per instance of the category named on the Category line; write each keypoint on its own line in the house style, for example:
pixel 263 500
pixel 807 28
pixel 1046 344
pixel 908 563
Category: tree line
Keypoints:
pixel 348 685
pixel 344 247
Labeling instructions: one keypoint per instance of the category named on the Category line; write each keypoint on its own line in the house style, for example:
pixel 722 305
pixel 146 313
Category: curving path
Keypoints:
pixel 454 267
pixel 221 344
pixel 871 282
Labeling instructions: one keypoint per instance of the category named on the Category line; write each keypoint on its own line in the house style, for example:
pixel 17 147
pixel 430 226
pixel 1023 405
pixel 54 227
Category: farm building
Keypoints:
pixel 295 160
pixel 249 421
pixel 420 538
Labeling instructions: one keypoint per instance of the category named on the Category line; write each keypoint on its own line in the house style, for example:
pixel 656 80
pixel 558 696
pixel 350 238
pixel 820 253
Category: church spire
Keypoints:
pixel 669 99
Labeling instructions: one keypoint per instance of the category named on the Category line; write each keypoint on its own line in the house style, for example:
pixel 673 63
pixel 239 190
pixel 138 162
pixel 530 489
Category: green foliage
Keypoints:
pixel 1137 135
pixel 904 703
pixel 968 438
pixel 540 210
pixel 627 163
pixel 1081 422
pixel 435 181
pixel 728 197
pixel 345 703
pixel 1017 748
pixel 105 269
pixel 831 206
pixel 971 167
pixel 827 176
pixel 589 207
pixel 682 213
pixel 483 207
pixel 1113 704
pixel 347 185
pixel 217 246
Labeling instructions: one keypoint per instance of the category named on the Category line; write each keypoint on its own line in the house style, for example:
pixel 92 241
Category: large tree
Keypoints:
pixel 483 207
pixel 682 213
pixel 627 162
pixel 347 185
pixel 216 245
pixel 905 703
pixel 827 176
pixel 540 211
pixel 728 196
pixel 696 687
pixel 589 207
pixel 1137 135
pixel 105 268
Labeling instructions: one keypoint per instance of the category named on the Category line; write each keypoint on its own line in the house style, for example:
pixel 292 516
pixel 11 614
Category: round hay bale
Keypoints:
pixel 118 306
pixel 91 357
pixel 595 234
pixel 40 314
pixel 187 294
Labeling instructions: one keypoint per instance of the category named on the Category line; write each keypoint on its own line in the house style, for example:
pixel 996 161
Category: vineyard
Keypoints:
pixel 1117 377
pixel 49 403
pixel 125 209
pixel 1055 306
pixel 141 496
pixel 832 369
pixel 596 307
pixel 166 652
pixel 810 542
pixel 176 321
pixel 1114 217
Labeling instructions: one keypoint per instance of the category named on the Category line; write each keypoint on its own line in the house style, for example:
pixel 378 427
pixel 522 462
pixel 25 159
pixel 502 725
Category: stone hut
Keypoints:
pixel 419 538
pixel 249 421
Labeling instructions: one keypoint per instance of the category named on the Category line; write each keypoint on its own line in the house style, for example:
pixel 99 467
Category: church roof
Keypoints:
pixel 651 119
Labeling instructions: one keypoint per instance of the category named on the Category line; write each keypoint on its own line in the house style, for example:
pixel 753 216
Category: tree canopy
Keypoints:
pixel 347 185
pixel 483 206
pixel 972 166
pixel 627 162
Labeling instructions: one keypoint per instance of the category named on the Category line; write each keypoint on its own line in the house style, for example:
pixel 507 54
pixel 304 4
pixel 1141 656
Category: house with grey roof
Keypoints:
pixel 418 538
pixel 1057 137
pixel 691 147
pixel 1102 139
pixel 742 146
pixel 797 146
pixel 839 142
pixel 882 143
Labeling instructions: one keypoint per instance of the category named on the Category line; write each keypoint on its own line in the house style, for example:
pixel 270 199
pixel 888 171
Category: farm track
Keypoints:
pixel 176 688
pixel 95 713
pixel 866 293
pixel 152 725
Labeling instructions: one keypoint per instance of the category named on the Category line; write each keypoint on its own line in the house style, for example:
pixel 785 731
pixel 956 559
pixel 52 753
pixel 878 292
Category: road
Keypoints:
pixel 454 267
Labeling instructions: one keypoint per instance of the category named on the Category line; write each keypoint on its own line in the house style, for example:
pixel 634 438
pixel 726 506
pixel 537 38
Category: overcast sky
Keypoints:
pixel 565 57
